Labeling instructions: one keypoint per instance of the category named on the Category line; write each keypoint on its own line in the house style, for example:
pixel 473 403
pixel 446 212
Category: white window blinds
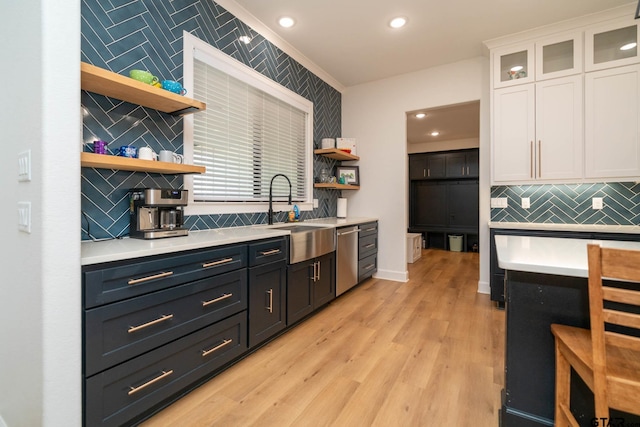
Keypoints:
pixel 245 137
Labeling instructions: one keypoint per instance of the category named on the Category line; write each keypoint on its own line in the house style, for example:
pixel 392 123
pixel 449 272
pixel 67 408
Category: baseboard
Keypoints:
pixel 396 276
pixel 484 287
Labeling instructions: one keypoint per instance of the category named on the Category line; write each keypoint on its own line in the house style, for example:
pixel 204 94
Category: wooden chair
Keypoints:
pixel 608 362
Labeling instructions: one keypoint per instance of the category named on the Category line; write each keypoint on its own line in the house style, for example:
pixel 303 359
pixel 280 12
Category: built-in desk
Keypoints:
pixel 545 283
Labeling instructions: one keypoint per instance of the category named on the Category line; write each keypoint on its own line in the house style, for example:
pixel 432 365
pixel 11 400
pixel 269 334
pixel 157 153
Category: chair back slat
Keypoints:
pixel 621 295
pixel 621 318
pixel 622 264
pixel 620 340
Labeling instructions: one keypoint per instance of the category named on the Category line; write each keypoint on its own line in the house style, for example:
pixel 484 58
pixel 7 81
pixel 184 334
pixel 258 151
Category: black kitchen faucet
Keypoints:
pixel 271 196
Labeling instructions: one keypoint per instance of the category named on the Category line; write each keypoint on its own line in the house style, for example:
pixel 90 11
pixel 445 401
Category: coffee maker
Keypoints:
pixel 157 212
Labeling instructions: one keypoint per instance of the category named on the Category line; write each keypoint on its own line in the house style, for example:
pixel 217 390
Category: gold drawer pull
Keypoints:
pixel 155 276
pixel 225 296
pixel 370 245
pixel 222 261
pixel 153 322
pixel 369 267
pixel 148 383
pixel 218 347
pixel 271 252
pixel 370 229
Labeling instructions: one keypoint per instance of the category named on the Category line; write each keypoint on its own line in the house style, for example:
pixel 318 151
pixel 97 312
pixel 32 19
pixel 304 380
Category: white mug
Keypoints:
pixel 170 156
pixel 146 153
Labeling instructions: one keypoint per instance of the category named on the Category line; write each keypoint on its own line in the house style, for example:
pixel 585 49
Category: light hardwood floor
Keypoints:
pixel 428 352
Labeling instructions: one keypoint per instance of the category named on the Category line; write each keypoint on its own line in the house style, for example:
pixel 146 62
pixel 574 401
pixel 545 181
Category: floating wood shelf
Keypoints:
pixel 336 153
pixel 103 161
pixel 104 82
pixel 336 186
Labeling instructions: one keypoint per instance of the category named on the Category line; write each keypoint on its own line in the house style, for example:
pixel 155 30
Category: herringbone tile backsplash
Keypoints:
pixel 120 35
pixel 570 203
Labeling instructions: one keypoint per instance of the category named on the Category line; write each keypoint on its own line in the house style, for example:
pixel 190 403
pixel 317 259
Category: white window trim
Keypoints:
pixel 240 71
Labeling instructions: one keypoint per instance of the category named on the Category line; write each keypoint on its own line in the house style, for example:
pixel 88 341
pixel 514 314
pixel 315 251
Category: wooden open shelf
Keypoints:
pixel 104 82
pixel 105 161
pixel 336 186
pixel 335 153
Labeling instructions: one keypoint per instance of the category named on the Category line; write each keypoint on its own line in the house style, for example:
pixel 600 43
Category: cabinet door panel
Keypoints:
pixel 513 133
pixel 417 166
pixel 299 297
pixel 612 118
pixel 324 288
pixel 456 165
pixel 429 204
pixel 559 128
pixel 463 204
pixel 266 301
pixel 436 166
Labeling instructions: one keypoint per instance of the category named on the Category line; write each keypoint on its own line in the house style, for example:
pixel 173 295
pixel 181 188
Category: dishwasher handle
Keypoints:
pixel 344 233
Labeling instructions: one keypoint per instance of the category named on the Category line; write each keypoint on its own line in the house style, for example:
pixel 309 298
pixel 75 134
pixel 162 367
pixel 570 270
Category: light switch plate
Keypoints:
pixel 24 217
pixel 24 166
pixel 315 203
pixel 499 202
pixel 596 203
pixel 526 203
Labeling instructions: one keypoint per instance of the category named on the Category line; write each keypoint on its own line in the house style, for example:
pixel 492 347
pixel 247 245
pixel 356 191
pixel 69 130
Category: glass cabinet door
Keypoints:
pixel 559 56
pixel 513 66
pixel 611 46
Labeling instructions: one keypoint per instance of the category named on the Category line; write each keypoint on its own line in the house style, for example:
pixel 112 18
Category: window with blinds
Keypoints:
pixel 247 135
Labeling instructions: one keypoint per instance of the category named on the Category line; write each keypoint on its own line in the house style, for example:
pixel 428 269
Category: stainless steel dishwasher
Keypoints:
pixel 347 258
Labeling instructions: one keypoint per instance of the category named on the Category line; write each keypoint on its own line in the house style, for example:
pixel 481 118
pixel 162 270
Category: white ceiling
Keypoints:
pixel 348 42
pixel 453 122
pixel 351 41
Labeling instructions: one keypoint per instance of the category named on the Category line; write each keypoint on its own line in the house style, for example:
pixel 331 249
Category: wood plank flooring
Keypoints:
pixel 428 352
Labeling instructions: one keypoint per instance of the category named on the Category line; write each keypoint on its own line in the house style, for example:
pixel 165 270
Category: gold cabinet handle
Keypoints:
pixel 164 317
pixel 219 262
pixel 369 267
pixel 218 347
pixel 370 245
pixel 424 173
pixel 215 300
pixel 531 166
pixel 271 252
pixel 146 279
pixel 148 383
pixel 270 308
pixel 539 159
pixel 370 229
pixel 319 270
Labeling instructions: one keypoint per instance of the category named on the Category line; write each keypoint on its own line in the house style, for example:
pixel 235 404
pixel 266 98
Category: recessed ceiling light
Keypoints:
pixel 245 39
pixel 420 115
pixel 435 133
pixel 628 46
pixel 286 22
pixel 398 22
pixel 517 68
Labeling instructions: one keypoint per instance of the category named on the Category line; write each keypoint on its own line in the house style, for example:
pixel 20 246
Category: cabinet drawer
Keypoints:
pixel 117 396
pixel 368 229
pixel 267 251
pixel 367 246
pixel 125 279
pixel 123 330
pixel 367 266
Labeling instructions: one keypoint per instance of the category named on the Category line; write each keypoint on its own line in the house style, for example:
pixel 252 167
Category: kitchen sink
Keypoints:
pixel 308 241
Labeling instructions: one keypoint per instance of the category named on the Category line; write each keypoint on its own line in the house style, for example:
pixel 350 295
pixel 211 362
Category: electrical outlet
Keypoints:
pixel 315 203
pixel 596 203
pixel 526 203
pixel 24 216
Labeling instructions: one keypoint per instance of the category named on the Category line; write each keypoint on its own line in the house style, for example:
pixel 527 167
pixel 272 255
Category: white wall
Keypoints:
pixel 40 361
pixel 454 144
pixel 374 114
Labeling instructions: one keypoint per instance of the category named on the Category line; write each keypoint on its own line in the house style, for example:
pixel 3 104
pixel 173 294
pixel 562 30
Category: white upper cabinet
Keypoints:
pixel 559 56
pixel 612 44
pixel 612 119
pixel 513 65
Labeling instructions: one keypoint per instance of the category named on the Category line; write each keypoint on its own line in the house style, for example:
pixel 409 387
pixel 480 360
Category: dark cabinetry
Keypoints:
pixel 367 250
pixel 155 326
pixel 448 202
pixel 311 284
pixel 449 164
pixel 267 289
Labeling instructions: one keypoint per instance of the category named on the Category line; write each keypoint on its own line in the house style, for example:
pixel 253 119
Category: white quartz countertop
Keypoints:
pixel 120 249
pixel 550 255
pixel 593 228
